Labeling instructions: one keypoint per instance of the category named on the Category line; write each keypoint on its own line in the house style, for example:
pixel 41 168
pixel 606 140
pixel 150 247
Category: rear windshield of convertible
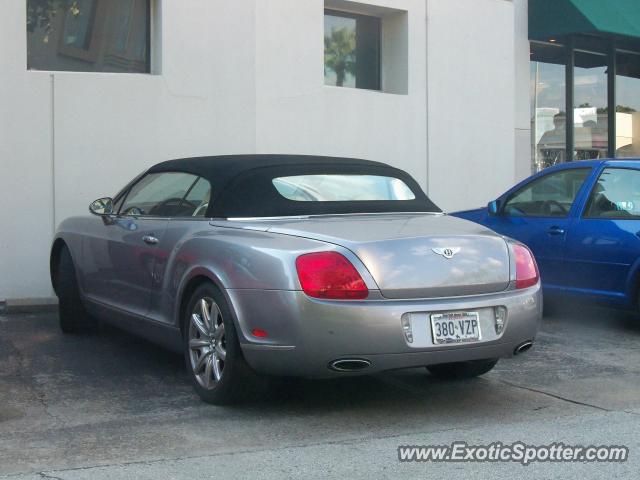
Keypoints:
pixel 320 189
pixel 342 188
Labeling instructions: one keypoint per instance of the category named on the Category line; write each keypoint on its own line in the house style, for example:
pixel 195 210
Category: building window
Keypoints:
pixel 596 114
pixel 548 124
pixel 89 35
pixel 590 112
pixel 352 50
pixel 627 104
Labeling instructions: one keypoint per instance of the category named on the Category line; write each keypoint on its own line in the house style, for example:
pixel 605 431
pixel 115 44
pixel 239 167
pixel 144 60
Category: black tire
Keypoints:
pixel 236 376
pixel 550 307
pixel 72 315
pixel 462 370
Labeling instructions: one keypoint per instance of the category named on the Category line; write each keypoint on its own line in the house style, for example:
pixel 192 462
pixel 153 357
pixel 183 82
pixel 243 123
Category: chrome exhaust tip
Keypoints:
pixel 349 364
pixel 523 347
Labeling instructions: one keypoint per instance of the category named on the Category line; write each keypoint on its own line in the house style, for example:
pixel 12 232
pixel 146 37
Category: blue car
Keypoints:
pixel 582 222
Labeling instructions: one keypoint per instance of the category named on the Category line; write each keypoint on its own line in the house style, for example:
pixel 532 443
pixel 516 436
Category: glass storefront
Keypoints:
pixel 576 85
pixel 548 102
pixel 627 104
pixel 590 124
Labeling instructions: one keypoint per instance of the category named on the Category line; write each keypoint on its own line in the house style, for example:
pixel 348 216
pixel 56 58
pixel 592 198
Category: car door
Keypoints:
pixel 122 250
pixel 191 217
pixel 603 246
pixel 539 214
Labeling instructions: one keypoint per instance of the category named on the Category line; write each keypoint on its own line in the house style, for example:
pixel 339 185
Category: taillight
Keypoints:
pixel 526 268
pixel 330 275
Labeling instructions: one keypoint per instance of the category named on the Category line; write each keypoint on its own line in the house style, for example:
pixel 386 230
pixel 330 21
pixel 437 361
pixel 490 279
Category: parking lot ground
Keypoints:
pixel 113 406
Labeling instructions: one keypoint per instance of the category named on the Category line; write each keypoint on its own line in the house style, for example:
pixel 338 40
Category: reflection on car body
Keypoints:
pixel 582 222
pixel 293 265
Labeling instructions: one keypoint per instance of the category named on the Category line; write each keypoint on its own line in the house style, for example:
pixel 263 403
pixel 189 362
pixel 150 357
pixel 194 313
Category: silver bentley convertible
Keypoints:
pixel 295 266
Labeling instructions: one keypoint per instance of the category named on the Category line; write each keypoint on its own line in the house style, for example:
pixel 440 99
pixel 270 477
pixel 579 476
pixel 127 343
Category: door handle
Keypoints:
pixel 150 239
pixel 555 231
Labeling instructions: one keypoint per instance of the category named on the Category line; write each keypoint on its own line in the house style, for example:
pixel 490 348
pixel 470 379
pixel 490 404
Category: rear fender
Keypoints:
pixel 195 274
pixel 263 261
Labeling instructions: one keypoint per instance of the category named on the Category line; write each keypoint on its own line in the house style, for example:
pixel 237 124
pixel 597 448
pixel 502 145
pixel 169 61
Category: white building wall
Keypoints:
pixel 297 113
pixel 26 219
pixel 471 85
pixel 106 128
pixel 522 99
pixel 247 76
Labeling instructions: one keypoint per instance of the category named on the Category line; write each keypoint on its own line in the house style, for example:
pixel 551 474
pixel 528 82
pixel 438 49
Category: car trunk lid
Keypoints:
pixel 413 255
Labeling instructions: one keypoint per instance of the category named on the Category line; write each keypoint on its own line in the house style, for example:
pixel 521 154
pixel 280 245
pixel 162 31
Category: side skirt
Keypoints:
pixel 161 334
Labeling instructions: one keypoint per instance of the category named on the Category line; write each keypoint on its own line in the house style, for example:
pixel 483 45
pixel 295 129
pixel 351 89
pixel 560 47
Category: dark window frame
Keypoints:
pixel 357 17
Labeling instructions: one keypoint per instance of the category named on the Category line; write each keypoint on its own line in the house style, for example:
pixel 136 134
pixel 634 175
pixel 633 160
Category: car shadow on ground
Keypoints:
pixel 111 396
pixel 124 367
pixel 411 387
pixel 278 393
pixel 573 312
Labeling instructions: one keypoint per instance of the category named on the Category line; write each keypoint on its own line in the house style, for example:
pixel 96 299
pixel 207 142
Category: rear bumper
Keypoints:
pixel 305 335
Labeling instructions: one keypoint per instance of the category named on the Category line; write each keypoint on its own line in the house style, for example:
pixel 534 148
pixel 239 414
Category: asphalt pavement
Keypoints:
pixel 112 406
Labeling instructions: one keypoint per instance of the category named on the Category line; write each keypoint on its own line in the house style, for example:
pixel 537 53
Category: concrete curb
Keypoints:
pixel 29 305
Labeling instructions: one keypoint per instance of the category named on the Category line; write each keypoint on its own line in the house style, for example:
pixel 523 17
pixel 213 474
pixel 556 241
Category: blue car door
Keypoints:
pixel 539 214
pixel 604 244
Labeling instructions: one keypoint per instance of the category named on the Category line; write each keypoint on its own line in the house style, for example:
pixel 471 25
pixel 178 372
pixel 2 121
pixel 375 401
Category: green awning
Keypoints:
pixel 557 18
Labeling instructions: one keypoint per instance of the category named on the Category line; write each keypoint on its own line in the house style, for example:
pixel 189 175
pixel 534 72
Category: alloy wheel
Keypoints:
pixel 207 345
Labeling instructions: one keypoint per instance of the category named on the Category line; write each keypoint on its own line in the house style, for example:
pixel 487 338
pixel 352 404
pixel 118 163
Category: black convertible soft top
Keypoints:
pixel 242 184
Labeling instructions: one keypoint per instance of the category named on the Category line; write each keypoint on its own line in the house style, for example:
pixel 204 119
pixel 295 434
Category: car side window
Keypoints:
pixel 197 199
pixel 160 195
pixel 549 196
pixel 616 195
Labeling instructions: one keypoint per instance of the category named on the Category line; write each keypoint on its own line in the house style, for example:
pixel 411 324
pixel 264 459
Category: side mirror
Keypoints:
pixel 102 206
pixel 493 208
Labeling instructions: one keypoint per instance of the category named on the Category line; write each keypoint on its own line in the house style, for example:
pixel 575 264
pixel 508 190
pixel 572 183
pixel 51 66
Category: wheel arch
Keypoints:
pixel 54 261
pixel 633 283
pixel 190 284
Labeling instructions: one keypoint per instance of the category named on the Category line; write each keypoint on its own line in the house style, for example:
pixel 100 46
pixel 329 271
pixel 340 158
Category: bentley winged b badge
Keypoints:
pixel 447 252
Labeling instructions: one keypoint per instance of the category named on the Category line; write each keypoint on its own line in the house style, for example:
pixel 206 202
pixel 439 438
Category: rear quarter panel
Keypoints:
pixel 232 258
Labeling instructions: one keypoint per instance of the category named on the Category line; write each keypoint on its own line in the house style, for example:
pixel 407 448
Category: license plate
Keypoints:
pixel 455 327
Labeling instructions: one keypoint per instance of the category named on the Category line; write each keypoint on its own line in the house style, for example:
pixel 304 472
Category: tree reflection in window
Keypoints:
pixel 352 50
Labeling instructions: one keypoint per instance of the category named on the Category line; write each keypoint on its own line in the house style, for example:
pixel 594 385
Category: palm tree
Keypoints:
pixel 340 53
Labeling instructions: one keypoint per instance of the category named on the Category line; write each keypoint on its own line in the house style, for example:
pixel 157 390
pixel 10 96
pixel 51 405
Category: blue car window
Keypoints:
pixel 616 195
pixel 549 196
